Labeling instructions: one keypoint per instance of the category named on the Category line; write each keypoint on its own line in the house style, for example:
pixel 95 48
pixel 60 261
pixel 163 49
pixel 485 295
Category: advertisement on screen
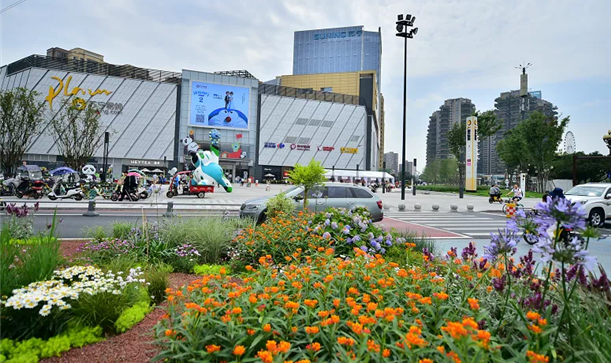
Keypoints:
pixel 219 106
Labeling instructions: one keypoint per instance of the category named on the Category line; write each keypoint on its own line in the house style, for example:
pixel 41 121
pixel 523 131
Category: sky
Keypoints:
pixel 464 48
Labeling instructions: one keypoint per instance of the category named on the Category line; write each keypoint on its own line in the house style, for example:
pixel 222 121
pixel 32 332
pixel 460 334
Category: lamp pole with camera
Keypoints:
pixel 404 31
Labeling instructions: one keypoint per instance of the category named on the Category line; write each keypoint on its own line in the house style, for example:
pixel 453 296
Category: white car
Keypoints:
pixel 596 198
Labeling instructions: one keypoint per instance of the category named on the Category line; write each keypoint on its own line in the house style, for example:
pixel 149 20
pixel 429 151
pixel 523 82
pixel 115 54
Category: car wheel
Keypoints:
pixel 597 217
pixel 262 217
pixel 201 194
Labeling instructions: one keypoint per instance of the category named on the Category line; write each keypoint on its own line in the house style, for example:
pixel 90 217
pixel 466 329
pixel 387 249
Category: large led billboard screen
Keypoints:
pixel 219 106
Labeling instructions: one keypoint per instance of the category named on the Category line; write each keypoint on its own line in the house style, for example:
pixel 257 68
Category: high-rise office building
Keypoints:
pixel 382 130
pixel 452 111
pixel 337 50
pixel 75 54
pixel 510 109
pixel 392 162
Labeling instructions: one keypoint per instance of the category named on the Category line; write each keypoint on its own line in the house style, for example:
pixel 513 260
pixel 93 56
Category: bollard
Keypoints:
pixel 435 207
pixel 453 208
pixel 170 211
pixel 417 207
pixel 91 210
pixel 401 207
pixel 470 207
pixel 386 206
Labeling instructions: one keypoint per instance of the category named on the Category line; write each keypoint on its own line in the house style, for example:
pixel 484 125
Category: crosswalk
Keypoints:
pixel 468 224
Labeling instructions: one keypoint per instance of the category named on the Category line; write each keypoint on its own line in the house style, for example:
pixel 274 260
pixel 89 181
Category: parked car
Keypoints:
pixel 336 195
pixel 596 198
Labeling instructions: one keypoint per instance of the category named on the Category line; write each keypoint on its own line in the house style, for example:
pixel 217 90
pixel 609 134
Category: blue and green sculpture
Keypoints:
pixel 206 162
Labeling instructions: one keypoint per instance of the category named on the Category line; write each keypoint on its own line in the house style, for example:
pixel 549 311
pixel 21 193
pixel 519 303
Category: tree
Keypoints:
pixel 587 170
pixel 308 176
pixel 533 142
pixel 431 172
pixel 21 117
pixel 78 132
pixel 448 171
pixel 487 125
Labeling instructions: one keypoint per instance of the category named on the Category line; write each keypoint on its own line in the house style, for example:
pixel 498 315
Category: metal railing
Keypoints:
pixel 270 89
pixel 93 67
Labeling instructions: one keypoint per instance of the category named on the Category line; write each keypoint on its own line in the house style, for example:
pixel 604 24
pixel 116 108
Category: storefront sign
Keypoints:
pixel 349 150
pixel 349 34
pixel 145 162
pixel 75 91
pixel 108 108
pixel 300 147
pixel 273 145
pixel 326 148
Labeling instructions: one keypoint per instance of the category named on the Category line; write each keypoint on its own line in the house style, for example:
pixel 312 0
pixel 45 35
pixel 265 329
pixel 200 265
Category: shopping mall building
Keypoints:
pixel 265 128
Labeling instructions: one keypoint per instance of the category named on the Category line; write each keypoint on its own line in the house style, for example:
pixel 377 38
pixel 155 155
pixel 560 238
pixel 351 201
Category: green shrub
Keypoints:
pixel 158 283
pixel 97 233
pixel 24 264
pixel 210 269
pixel 210 236
pixel 33 349
pixel 102 309
pixel 132 316
pixel 279 203
pixel 121 230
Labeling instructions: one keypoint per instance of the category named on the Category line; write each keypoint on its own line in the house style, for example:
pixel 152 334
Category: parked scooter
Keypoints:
pixel 29 188
pixel 61 192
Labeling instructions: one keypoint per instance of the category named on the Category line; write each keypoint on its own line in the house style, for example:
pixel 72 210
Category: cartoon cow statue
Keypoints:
pixel 206 162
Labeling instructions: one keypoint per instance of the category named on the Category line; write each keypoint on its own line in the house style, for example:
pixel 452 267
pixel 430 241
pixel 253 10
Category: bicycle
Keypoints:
pixel 531 236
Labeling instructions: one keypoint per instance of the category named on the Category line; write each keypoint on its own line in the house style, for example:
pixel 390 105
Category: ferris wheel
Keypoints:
pixel 569 143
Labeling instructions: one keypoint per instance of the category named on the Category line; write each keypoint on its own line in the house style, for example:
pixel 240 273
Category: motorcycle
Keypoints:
pixel 495 199
pixel 61 192
pixel 7 188
pixel 29 188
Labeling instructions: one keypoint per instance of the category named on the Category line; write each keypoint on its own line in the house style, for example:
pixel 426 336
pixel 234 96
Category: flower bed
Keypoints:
pixel 309 302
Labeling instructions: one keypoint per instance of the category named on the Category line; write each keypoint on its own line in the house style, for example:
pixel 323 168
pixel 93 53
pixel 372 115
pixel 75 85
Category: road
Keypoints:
pixel 446 228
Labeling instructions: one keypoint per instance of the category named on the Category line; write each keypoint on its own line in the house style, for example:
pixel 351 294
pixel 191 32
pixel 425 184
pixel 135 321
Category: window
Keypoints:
pixel 338 192
pixel 360 193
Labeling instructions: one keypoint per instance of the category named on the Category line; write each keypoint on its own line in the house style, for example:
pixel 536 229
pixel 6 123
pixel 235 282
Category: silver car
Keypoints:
pixel 336 195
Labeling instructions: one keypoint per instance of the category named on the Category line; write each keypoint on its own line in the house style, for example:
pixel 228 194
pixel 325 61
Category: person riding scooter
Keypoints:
pixel 495 194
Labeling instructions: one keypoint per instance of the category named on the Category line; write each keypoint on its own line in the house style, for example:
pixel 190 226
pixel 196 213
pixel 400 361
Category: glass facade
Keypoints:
pixel 337 50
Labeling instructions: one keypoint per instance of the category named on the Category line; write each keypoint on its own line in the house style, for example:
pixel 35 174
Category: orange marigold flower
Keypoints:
pixel 425 360
pixel 239 350
pixel 212 348
pixel 454 357
pixel 469 322
pixel 386 353
pixel 441 349
pixel 311 329
pixel 531 315
pixel 283 347
pixel 441 295
pixel 236 310
pixel 249 268
pixel 535 329
pixel 252 298
pixel 345 341
pixel 402 273
pixel 267 328
pixel 336 302
pixel 483 336
pixel 372 346
pixel 303 361
pixel 271 345
pixel 265 356
pixel 169 332
pixel 310 303
pixel 250 331
pixel 473 303
pixel 542 322
pixel 456 330
pixel 536 358
pixel 313 346
pixel 425 301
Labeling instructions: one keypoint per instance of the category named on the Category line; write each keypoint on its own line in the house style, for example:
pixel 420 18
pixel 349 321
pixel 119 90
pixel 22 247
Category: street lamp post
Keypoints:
pixel 333 173
pixel 607 140
pixel 384 177
pixel 403 31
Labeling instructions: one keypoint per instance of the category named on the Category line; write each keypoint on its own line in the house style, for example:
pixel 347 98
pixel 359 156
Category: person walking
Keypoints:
pixel 121 185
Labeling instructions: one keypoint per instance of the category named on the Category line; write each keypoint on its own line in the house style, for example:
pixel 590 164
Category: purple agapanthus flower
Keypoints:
pixel 364 248
pixel 502 243
pixel 334 225
pixel 346 229
pixel 326 235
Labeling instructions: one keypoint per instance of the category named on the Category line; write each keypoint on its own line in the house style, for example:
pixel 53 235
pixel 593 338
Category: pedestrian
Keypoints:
pixel 121 185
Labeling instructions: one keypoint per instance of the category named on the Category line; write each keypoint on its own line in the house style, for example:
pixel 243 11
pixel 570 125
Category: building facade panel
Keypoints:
pixel 298 130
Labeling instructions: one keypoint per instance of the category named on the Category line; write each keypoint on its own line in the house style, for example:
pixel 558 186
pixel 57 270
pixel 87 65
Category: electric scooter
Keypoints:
pixel 61 192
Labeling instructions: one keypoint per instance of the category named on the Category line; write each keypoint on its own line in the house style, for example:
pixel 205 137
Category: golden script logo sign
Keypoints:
pixel 75 91
pixel 349 150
